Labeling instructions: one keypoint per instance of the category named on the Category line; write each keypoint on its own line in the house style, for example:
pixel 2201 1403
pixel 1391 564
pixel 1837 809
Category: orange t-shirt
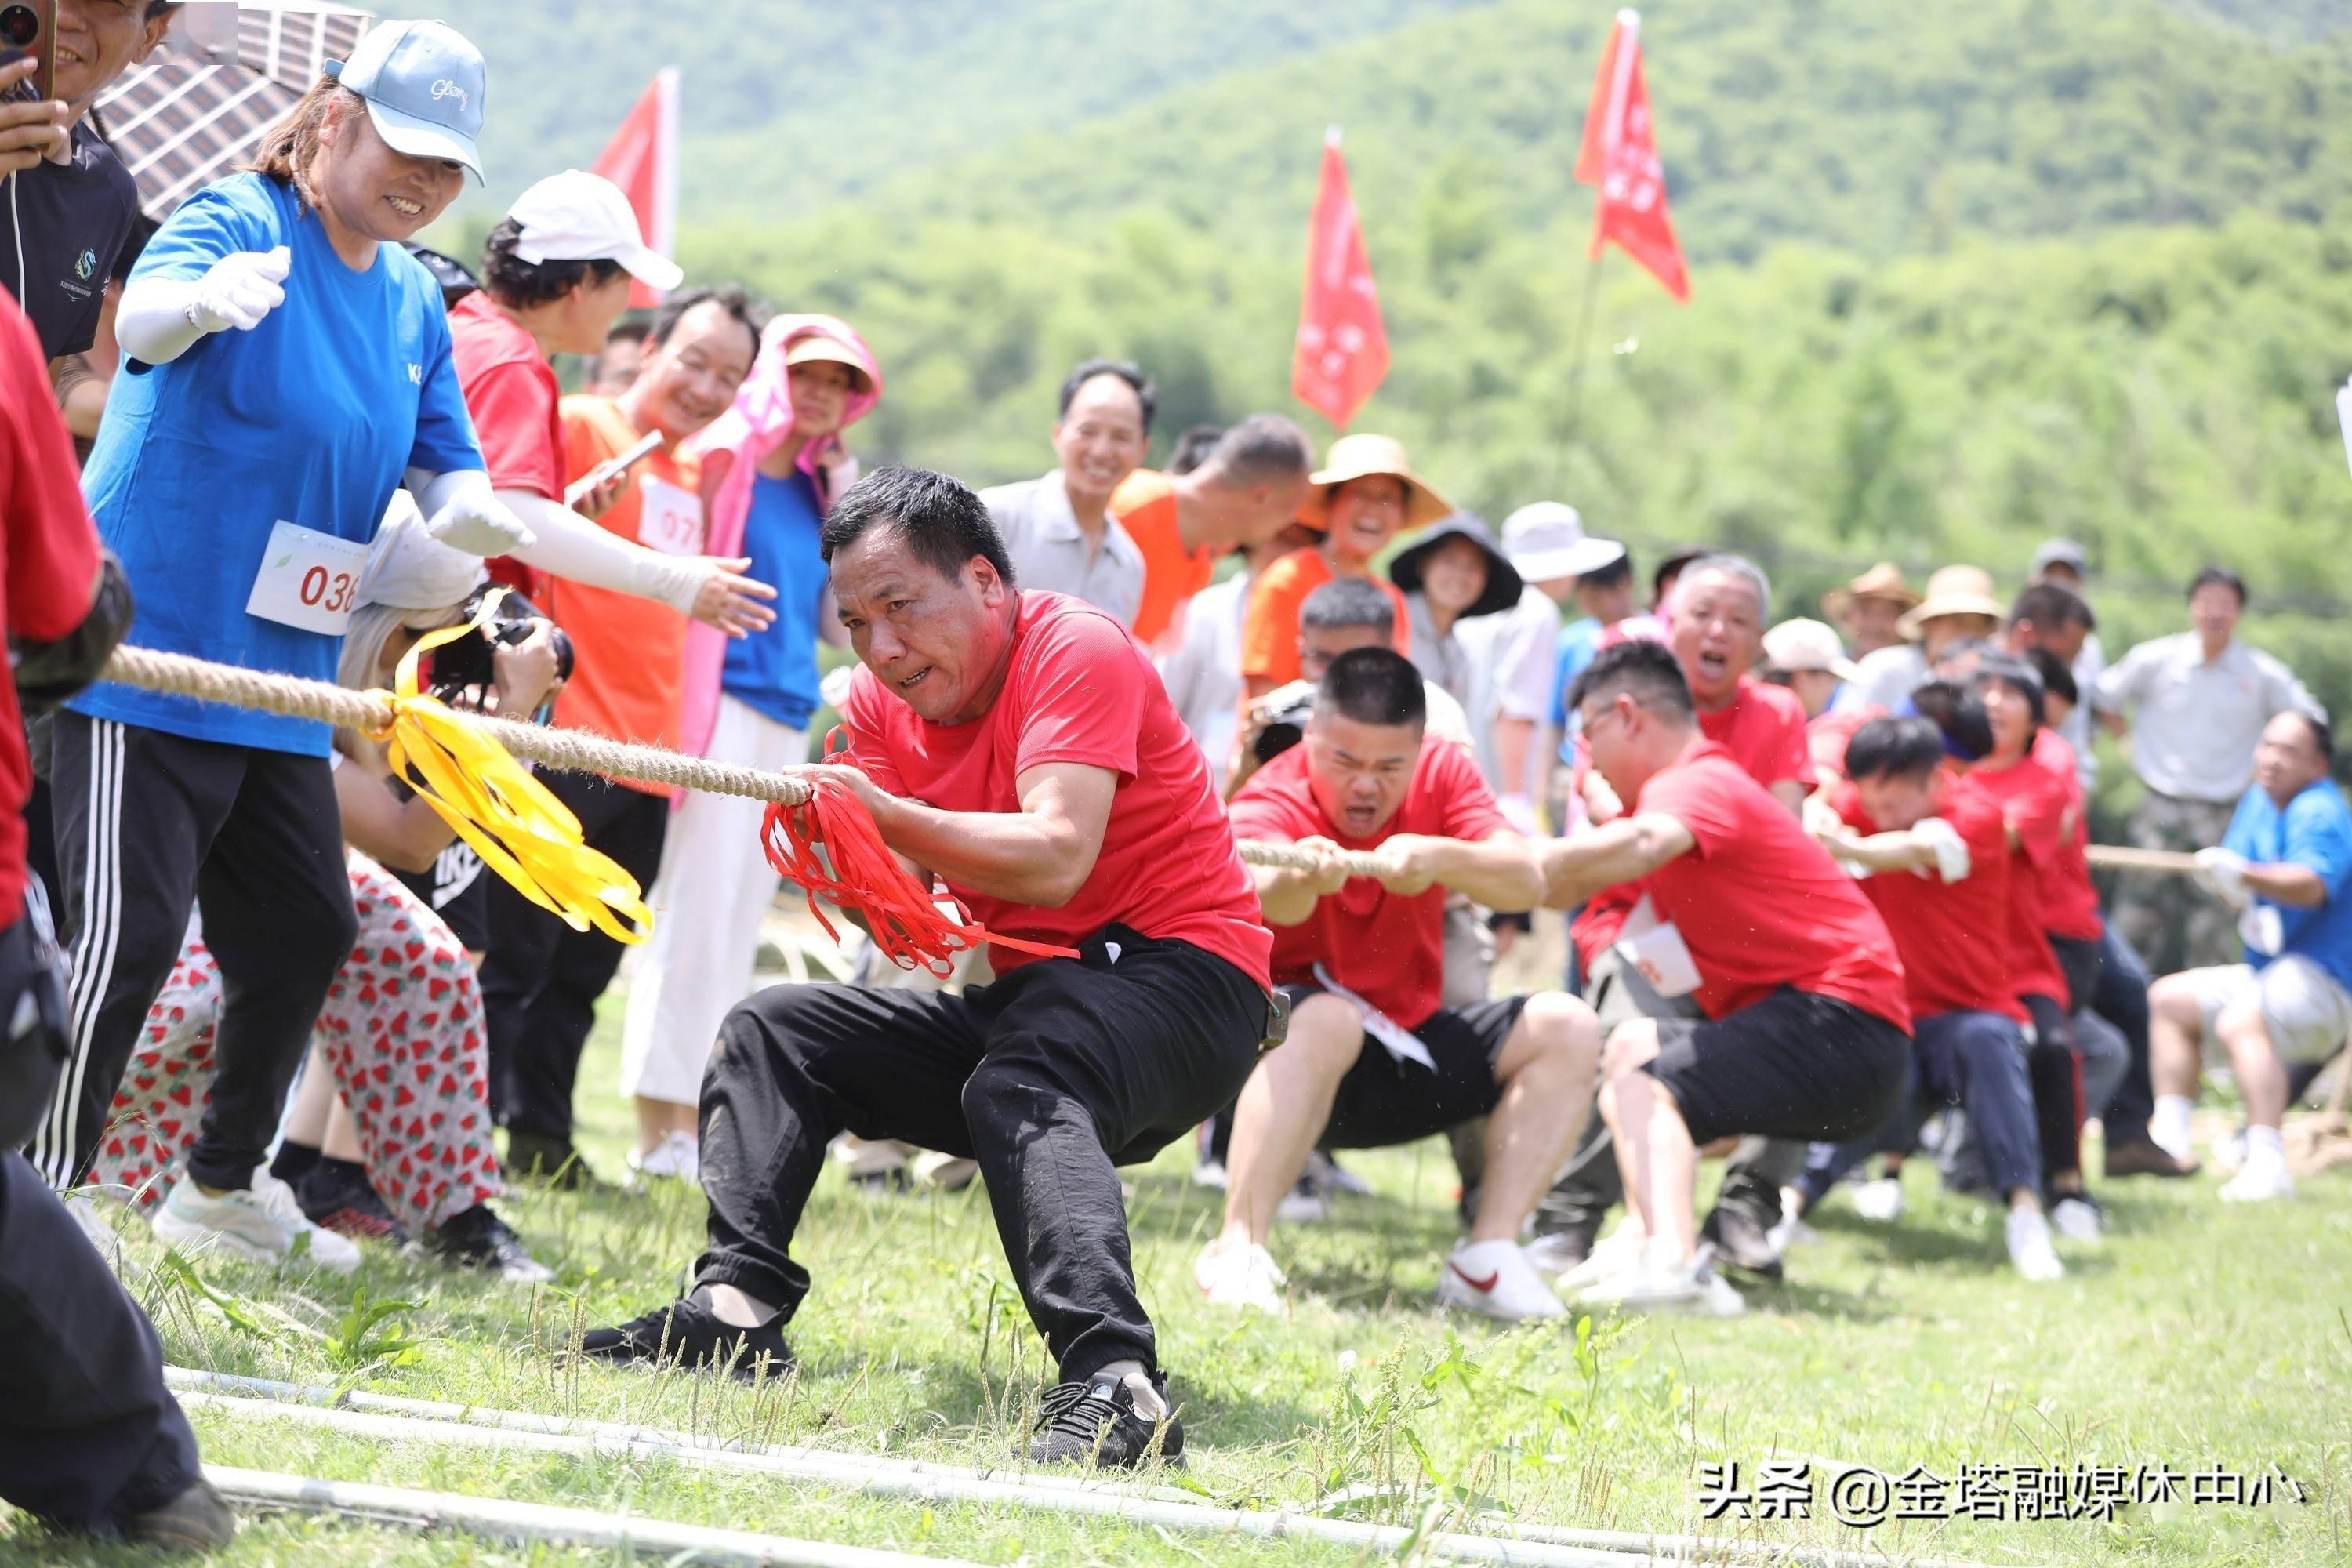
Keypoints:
pixel 1145 505
pixel 1270 624
pixel 630 669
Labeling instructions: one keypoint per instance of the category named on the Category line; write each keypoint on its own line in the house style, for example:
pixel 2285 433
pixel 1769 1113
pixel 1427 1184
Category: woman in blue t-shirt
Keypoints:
pixel 286 368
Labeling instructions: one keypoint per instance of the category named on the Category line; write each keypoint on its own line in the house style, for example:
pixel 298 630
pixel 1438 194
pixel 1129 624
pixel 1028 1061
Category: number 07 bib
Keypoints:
pixel 308 580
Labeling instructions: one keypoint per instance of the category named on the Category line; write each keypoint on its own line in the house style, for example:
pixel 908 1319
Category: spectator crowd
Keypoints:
pixel 1829 882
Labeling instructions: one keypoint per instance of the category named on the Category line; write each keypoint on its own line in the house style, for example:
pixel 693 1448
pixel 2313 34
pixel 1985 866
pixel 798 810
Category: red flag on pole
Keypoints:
pixel 1621 157
pixel 642 159
pixel 1343 349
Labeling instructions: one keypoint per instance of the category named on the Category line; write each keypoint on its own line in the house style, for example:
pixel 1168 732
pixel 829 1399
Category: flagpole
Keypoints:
pixel 1580 349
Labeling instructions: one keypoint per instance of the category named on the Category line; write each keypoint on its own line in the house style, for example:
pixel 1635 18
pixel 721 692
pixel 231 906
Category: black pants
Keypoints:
pixel 1050 1078
pixel 2055 1073
pixel 89 1435
pixel 2121 999
pixel 540 979
pixel 148 826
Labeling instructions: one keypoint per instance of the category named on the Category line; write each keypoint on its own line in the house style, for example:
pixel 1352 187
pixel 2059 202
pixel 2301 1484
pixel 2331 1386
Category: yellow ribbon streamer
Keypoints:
pixel 521 831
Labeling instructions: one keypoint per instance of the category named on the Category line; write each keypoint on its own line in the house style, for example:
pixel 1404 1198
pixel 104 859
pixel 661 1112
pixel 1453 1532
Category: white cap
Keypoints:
pixel 577 216
pixel 1801 644
pixel 1546 540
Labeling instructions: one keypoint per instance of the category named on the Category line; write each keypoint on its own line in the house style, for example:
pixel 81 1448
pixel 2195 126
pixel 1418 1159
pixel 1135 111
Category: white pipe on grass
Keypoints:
pixel 531 1524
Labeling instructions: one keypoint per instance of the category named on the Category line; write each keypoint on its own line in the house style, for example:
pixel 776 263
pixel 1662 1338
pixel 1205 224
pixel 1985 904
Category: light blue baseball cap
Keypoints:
pixel 424 85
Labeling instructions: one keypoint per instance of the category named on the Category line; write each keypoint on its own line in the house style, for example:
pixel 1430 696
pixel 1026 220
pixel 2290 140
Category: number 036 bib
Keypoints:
pixel 308 580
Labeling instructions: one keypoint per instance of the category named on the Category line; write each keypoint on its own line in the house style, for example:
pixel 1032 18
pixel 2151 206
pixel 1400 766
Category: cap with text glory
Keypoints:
pixel 577 216
pixel 423 84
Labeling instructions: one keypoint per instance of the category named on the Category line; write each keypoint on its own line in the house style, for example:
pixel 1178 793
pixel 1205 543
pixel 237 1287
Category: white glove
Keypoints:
pixel 2223 873
pixel 240 289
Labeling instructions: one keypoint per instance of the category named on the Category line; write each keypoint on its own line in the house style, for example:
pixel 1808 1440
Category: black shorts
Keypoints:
pixel 1383 1101
pixel 458 889
pixel 1795 1065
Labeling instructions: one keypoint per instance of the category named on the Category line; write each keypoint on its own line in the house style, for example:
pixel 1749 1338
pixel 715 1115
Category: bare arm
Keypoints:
pixel 1513 739
pixel 1041 855
pixel 2289 882
pixel 404 834
pixel 1498 870
pixel 1790 793
pixel 1286 897
pixel 1625 850
pixel 1882 851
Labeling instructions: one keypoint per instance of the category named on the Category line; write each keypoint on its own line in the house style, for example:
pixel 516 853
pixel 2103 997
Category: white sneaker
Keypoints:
pixel 1304 1204
pixel 1550 1256
pixel 2260 1182
pixel 2030 1252
pixel 1690 1287
pixel 944 1172
pixel 1881 1201
pixel 1210 1174
pixel 261 1224
pixel 1495 1280
pixel 2229 1153
pixel 1234 1273
pixel 1618 1252
pixel 2076 1218
pixel 676 1158
pixel 1792 1230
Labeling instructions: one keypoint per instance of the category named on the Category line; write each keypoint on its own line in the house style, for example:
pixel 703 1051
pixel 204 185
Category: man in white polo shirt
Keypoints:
pixel 1057 529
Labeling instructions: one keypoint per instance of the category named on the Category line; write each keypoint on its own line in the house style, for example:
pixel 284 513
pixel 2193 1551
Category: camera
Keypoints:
pixel 28 29
pixel 469 663
pixel 1281 724
pixel 20 28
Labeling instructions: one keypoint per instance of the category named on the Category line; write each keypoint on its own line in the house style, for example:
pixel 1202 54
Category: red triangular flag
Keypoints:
pixel 1620 155
pixel 642 159
pixel 1343 349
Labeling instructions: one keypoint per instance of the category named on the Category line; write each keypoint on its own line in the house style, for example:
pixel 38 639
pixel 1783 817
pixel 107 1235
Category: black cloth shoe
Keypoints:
pixel 688 1334
pixel 1095 1424
pixel 196 1520
pixel 536 1157
pixel 478 1239
pixel 337 1196
pixel 1741 1245
pixel 2144 1159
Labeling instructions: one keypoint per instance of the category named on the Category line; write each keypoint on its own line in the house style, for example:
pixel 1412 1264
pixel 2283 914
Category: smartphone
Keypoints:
pixel 30 27
pixel 587 483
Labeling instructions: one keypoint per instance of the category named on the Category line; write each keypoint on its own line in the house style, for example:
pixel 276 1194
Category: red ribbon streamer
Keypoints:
pixel 865 876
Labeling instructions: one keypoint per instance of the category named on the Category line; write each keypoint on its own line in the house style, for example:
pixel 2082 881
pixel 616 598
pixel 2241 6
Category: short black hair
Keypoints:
pixel 628 331
pixel 732 298
pixel 1673 564
pixel 2057 680
pixel 1192 447
pixel 513 281
pixel 2053 604
pixel 2210 573
pixel 1618 570
pixel 1958 713
pixel 942 522
pixel 1373 686
pixel 1904 748
pixel 1346 603
pixel 1264 448
pixel 2017 674
pixel 1145 390
pixel 2323 734
pixel 1643 669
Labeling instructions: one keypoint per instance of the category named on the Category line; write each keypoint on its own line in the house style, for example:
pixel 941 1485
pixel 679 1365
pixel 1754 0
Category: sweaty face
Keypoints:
pixel 1100 440
pixel 1360 772
pixel 1319 646
pixel 2286 760
pixel 2214 610
pixel 372 191
pixel 938 643
pixel 96 41
pixel 1898 802
pixel 1365 514
pixel 1454 574
pixel 695 375
pixel 1717 634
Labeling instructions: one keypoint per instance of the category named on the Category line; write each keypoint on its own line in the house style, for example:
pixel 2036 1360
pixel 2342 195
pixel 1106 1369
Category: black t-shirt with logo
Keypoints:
pixel 68 221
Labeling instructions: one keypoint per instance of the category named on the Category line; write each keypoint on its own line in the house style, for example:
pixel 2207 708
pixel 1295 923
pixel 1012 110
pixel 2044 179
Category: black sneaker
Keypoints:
pixel 196 1520
pixel 1095 1424
pixel 1741 1245
pixel 536 1157
pixel 478 1239
pixel 337 1196
pixel 688 1334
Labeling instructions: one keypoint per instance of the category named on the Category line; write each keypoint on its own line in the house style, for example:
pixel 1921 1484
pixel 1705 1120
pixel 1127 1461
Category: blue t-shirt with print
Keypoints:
pixel 774 671
pixel 2314 829
pixel 309 418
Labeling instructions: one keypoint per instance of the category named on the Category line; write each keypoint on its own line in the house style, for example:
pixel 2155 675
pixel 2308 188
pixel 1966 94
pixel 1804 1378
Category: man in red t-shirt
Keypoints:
pixel 1806 1030
pixel 1932 849
pixel 1373 1059
pixel 1019 747
pixel 91 1440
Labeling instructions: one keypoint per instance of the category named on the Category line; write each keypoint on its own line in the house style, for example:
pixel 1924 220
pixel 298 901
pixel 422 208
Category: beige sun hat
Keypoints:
pixel 1361 457
pixel 1802 644
pixel 1952 591
pixel 1883 581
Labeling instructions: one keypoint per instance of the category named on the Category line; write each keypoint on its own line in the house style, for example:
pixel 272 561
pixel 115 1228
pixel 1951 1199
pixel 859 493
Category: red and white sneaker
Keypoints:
pixel 1495 1280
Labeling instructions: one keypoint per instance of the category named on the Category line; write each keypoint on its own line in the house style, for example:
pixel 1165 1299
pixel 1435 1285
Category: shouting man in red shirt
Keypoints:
pixel 1019 746
pixel 1806 1032
pixel 1371 1059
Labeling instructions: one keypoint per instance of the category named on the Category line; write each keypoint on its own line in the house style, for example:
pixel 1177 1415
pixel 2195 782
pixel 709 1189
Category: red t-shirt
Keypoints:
pixel 2037 806
pixel 1080 690
pixel 1387 948
pixel 1762 728
pixel 48 552
pixel 2069 900
pixel 1953 937
pixel 511 391
pixel 1759 903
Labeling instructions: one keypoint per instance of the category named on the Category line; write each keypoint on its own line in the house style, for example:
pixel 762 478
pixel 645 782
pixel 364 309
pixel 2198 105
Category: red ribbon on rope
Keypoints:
pixel 904 919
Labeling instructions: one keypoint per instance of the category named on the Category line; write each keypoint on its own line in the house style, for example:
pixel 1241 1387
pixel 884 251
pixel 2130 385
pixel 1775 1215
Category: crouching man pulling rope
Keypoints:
pixel 1019 746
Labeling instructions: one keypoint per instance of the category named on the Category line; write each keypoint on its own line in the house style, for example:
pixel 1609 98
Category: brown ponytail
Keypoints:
pixel 292 146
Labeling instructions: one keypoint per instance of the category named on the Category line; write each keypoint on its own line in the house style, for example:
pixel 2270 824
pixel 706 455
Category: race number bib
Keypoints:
pixel 669 519
pixel 308 580
pixel 1657 949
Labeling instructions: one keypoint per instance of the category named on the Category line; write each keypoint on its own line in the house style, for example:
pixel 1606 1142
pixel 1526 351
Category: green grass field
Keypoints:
pixel 2196 1335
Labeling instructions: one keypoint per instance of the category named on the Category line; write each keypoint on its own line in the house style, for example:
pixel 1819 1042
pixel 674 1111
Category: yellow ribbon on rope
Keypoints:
pixel 521 831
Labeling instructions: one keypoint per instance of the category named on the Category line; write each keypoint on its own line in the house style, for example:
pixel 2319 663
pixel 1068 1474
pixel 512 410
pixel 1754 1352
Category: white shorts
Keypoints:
pixel 2307 1012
